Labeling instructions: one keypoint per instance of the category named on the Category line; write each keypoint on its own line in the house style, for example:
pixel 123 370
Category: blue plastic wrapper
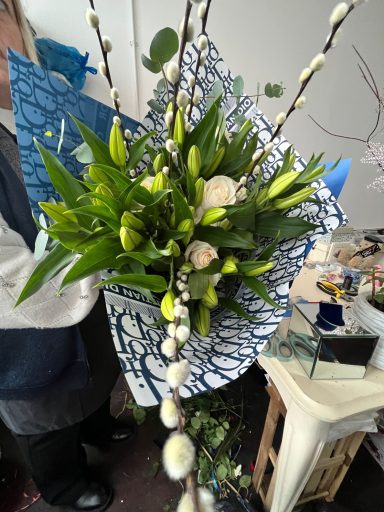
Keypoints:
pixel 63 59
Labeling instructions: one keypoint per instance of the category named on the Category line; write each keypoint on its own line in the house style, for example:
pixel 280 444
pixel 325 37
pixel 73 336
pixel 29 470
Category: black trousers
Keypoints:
pixel 57 459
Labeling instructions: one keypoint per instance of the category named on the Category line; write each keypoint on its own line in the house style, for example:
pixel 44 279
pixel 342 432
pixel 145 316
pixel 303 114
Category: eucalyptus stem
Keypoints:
pixel 292 108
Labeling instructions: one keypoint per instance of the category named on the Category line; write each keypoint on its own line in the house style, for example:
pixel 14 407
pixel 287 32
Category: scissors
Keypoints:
pixel 334 290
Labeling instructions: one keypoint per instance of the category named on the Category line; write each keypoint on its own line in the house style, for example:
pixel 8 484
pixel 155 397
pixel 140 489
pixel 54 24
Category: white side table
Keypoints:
pixel 313 408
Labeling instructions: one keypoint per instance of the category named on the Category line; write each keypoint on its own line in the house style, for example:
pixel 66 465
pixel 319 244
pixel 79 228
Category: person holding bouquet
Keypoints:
pixel 58 364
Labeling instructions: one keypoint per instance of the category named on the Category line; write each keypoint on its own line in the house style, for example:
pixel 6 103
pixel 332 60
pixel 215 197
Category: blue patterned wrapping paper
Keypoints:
pixel 233 343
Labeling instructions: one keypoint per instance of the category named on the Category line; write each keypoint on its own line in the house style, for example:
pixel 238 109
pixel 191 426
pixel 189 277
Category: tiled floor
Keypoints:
pixel 140 485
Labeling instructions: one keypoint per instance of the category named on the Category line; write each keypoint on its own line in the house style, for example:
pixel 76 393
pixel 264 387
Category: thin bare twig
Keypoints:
pixel 336 134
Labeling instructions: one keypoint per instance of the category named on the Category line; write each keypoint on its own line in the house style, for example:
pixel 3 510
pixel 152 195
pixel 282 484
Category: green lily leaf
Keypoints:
pixel 182 210
pixel 198 284
pixel 270 224
pixel 65 184
pixel 214 267
pixel 154 105
pixel 100 212
pixel 154 283
pixel 136 150
pixel 242 216
pixel 99 148
pixel 219 237
pixel 261 291
pixel 46 270
pixel 117 176
pixel 235 307
pixel 267 253
pixel 99 257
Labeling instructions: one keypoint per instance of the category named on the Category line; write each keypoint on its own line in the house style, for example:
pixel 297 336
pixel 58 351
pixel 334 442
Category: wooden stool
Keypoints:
pixel 330 469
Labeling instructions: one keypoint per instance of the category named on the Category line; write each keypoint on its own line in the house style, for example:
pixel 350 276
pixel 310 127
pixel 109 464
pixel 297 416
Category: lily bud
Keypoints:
pixel 129 238
pixel 185 225
pixel 158 163
pixel 130 221
pixel 294 199
pixel 104 191
pixel 209 298
pixel 166 306
pixel 179 130
pixel 203 319
pixel 199 187
pixel 282 183
pixel 174 248
pixel 217 159
pixel 229 266
pixel 186 267
pixel 260 270
pixel 194 161
pixel 159 183
pixel 116 146
pixel 213 215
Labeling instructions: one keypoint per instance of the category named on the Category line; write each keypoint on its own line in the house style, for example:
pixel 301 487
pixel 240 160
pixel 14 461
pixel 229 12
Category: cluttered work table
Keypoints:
pixel 323 418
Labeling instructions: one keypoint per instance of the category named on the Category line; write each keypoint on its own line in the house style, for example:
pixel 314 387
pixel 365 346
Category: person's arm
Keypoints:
pixel 45 309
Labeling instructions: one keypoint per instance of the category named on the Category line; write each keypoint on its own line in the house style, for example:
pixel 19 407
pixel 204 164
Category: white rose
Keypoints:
pixel 219 191
pixel 200 254
pixel 147 182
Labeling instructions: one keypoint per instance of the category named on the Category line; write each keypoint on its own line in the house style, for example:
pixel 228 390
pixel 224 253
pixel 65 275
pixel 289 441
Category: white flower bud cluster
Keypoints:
pixel 102 68
pixel 117 120
pixel 107 44
pixel 170 145
pixel 165 170
pixel 281 118
pixel 202 59
pixel 201 10
pixel 188 126
pixel 305 74
pixel 168 119
pixel 182 99
pixel 174 157
pixel 177 373
pixel 128 134
pixel 336 37
pixel 178 456
pixel 196 98
pixel 299 103
pixel 243 180
pixel 190 29
pixel 257 170
pixel 92 18
pixel 257 154
pixel 268 148
pixel 168 413
pixel 205 500
pixel 339 13
pixel 317 62
pixel 172 72
pixel 115 93
pixel 191 81
pixel 202 42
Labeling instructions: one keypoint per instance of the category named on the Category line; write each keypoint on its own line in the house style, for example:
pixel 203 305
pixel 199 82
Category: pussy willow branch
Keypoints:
pixel 292 108
pixel 375 90
pixel 183 43
pixel 196 72
pixel 108 71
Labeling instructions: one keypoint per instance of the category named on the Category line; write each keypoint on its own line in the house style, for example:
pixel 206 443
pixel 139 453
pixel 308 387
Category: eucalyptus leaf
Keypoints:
pixel 221 472
pixel 155 105
pixel 153 67
pixel 164 45
pixel 238 86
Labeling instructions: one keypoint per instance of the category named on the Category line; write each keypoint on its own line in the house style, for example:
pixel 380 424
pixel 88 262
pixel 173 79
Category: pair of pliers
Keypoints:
pixel 333 289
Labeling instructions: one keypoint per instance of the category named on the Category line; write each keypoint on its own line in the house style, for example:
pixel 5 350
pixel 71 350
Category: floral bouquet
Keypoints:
pixel 187 219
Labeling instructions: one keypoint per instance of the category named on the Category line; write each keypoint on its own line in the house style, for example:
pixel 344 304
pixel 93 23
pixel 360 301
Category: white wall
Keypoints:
pixel 263 40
